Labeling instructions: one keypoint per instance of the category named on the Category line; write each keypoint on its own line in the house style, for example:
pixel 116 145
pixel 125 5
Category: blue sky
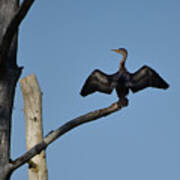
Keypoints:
pixel 62 42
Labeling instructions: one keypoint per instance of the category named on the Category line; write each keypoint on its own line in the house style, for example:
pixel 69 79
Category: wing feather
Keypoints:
pixel 98 81
pixel 146 77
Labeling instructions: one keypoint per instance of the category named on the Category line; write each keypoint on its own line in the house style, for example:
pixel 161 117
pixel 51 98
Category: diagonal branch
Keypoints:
pixel 52 136
pixel 12 29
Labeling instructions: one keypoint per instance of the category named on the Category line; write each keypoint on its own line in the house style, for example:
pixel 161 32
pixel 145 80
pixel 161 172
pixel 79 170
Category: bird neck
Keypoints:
pixel 122 63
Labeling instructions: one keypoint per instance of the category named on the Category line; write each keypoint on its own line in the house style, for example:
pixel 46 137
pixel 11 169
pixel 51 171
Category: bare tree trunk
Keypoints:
pixel 34 132
pixel 11 16
pixel 9 74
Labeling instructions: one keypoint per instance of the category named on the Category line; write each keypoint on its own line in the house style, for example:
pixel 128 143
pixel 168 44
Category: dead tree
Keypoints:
pixel 11 15
pixel 32 98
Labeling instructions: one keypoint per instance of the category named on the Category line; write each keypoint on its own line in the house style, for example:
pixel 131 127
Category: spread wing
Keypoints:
pixel 146 77
pixel 98 81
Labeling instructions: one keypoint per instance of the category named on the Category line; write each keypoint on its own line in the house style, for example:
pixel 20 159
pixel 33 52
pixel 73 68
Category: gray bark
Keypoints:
pixel 9 74
pixel 10 18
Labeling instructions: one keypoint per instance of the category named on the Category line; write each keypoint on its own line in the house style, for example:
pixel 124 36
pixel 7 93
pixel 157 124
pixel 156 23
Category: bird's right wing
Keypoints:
pixel 98 81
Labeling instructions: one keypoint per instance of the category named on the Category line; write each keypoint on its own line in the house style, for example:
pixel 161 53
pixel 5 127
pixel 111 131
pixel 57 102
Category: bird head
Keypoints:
pixel 121 51
pixel 124 53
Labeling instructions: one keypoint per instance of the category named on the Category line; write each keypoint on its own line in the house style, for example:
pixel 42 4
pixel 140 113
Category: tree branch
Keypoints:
pixel 53 135
pixel 12 29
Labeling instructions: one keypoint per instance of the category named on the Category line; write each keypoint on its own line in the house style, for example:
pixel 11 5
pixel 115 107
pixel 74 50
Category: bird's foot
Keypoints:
pixel 123 101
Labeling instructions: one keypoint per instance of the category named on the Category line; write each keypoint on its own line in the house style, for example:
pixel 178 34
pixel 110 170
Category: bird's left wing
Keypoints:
pixel 146 77
pixel 98 81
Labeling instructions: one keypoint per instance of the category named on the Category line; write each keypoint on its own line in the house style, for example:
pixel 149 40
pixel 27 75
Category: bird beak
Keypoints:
pixel 115 50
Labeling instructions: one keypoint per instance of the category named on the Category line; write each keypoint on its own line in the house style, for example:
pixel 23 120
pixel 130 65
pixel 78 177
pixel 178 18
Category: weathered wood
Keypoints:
pixel 8 80
pixel 53 135
pixel 7 90
pixel 9 75
pixel 12 28
pixel 34 130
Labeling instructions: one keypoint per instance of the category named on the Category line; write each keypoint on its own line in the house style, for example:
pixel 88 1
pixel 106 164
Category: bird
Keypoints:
pixel 123 81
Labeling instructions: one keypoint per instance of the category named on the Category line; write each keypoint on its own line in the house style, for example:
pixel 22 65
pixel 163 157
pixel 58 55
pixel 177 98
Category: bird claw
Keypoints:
pixel 123 102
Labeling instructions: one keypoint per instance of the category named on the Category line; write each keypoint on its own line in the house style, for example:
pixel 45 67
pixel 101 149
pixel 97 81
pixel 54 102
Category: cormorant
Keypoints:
pixel 122 80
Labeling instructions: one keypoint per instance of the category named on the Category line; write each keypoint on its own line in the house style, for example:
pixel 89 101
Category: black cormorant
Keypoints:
pixel 122 80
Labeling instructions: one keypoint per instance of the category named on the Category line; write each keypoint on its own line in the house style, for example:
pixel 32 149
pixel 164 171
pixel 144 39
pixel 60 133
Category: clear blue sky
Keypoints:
pixel 62 42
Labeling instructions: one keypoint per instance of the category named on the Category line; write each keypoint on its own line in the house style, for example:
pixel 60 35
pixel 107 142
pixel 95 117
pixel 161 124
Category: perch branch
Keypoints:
pixel 12 28
pixel 53 135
